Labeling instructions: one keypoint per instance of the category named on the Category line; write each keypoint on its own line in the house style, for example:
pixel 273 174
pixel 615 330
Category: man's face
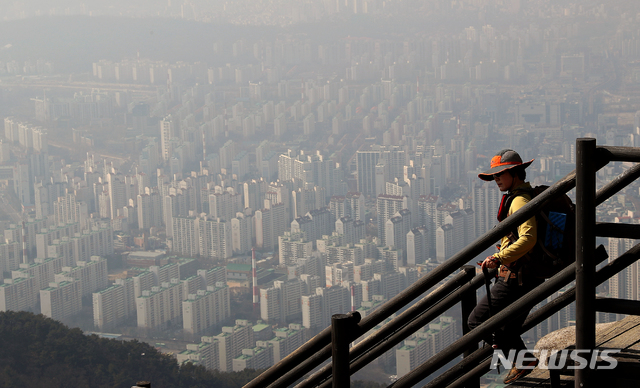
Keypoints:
pixel 504 180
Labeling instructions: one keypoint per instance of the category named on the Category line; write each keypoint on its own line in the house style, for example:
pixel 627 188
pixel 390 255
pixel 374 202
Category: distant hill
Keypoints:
pixel 74 42
pixel 36 351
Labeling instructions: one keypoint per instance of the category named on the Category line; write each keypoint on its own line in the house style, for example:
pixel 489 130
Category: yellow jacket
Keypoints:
pixel 527 231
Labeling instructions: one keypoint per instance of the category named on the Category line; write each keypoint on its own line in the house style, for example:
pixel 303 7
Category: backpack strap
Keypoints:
pixel 503 213
pixel 505 205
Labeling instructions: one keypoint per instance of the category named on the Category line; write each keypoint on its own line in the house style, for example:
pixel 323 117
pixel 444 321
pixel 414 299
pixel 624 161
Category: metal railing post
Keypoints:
pixel 340 326
pixel 467 303
pixel 585 249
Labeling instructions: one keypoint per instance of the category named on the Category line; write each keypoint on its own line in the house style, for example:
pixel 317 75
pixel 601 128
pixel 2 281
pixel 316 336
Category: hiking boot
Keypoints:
pixel 515 373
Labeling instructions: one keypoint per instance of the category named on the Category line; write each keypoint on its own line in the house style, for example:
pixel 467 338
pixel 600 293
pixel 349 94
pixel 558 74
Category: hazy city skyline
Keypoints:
pixel 147 147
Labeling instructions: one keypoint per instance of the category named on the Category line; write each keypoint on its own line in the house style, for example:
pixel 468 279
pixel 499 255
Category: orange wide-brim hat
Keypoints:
pixel 504 160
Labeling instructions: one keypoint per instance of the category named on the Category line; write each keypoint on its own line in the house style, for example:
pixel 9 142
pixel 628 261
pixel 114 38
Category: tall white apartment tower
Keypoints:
pixel 417 249
pixel 312 315
pixel 157 307
pixel 231 342
pixel 19 293
pixel 114 304
pixel 242 232
pixel 388 206
pixel 205 308
pixel 366 162
pixel 66 210
pixel 149 210
pixel 485 200
pixel 61 299
pixel 356 205
pixel 167 132
pixel 626 283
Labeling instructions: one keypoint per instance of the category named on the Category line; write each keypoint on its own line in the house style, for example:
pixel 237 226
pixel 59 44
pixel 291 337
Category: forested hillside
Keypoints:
pixel 36 351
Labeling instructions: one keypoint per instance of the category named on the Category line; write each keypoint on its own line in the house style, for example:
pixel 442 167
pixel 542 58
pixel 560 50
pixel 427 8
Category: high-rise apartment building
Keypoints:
pixel 258 357
pixel 114 305
pixel 163 274
pixel 10 256
pixel 270 223
pixel 396 229
pixel 366 162
pixel 67 210
pixel 293 246
pixel 160 306
pixel 61 299
pixel 204 353
pixel 93 274
pixel 286 340
pixel 43 270
pixel 206 308
pixel 143 281
pixel 387 207
pixel 485 200
pixel 242 232
pixel 149 210
pixel 19 293
pixel 424 344
pixel 231 342
pixel 167 133
pixel 202 236
pixel 312 316
pixel 445 243
pixel 417 246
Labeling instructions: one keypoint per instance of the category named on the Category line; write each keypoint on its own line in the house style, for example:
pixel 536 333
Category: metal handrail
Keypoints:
pixel 318 349
pixel 602 275
pixel 395 331
pixel 397 323
pixel 521 306
pixel 322 340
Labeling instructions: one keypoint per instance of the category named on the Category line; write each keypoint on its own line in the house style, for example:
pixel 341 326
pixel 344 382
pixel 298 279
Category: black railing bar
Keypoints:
pixel 467 366
pixel 585 330
pixel 380 347
pixel 478 371
pixel 618 306
pixel 521 305
pixel 618 154
pixel 318 343
pixel 619 264
pixel 316 359
pixel 315 345
pixel 468 303
pixel 401 321
pixel 617 230
pixel 341 327
pixel 311 347
pixel 617 184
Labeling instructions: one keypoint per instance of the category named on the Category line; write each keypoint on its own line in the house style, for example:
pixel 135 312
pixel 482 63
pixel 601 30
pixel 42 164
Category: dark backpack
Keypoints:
pixel 556 229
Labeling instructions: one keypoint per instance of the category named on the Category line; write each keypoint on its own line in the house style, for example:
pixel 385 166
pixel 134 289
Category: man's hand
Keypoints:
pixel 489 263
